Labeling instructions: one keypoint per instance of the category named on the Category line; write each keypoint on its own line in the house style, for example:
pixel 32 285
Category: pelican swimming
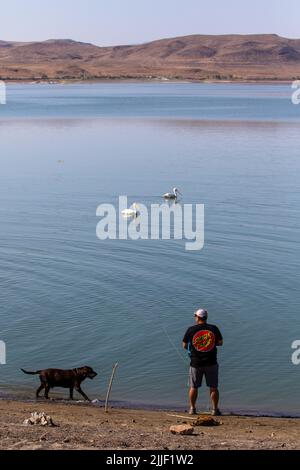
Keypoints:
pixel 173 195
pixel 132 212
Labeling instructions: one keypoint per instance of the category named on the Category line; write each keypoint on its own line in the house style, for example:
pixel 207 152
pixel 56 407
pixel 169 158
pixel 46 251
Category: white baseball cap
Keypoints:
pixel 201 313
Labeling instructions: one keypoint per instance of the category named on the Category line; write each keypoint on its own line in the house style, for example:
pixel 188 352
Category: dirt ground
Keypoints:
pixel 87 427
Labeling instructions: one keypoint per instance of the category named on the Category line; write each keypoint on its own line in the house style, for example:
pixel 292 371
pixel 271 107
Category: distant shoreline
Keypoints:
pixel 197 57
pixel 75 81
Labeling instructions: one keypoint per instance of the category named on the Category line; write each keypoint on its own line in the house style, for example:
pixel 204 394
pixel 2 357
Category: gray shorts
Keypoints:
pixel 211 376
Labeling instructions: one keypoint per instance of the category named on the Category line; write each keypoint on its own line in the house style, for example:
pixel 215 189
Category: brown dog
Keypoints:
pixel 51 378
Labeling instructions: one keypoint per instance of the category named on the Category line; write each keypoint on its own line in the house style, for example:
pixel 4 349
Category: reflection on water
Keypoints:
pixel 168 100
pixel 69 299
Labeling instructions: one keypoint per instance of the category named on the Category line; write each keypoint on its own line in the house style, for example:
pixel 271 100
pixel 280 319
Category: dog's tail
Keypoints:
pixel 31 373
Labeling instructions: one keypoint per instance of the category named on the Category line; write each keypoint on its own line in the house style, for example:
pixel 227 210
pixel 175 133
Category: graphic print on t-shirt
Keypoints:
pixel 204 341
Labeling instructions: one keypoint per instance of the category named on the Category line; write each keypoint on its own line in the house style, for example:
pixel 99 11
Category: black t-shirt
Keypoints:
pixel 202 344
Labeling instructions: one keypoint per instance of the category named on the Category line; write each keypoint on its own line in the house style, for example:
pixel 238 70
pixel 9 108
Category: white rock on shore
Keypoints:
pixel 39 419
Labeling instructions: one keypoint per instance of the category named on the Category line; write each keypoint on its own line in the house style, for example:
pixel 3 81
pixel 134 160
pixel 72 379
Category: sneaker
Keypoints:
pixel 192 411
pixel 216 412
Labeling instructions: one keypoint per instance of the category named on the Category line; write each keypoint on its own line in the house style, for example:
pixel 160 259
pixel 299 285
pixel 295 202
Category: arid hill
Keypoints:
pixel 197 57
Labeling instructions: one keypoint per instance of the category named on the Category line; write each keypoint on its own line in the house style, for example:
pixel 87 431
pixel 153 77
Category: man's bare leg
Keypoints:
pixel 193 399
pixel 215 396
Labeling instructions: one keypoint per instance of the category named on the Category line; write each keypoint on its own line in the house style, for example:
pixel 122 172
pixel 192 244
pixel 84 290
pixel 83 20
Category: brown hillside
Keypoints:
pixel 233 57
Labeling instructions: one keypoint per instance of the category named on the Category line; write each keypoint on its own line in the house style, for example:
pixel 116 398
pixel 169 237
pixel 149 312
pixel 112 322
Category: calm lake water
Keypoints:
pixel 68 299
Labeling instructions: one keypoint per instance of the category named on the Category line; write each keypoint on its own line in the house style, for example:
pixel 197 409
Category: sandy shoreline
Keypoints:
pixel 85 427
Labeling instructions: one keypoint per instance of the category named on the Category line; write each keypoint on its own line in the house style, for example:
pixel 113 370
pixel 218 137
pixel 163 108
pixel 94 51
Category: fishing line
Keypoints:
pixel 173 345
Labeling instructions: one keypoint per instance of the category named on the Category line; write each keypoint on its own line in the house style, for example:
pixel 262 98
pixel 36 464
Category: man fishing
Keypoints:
pixel 201 340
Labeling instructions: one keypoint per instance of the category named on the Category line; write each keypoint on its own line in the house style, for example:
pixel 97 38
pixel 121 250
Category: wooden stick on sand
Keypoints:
pixel 182 417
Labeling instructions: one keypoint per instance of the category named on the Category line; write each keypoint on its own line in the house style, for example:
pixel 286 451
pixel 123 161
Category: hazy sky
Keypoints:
pixel 109 22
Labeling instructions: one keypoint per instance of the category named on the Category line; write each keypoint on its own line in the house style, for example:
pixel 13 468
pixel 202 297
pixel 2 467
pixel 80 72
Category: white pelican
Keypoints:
pixel 173 195
pixel 132 212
